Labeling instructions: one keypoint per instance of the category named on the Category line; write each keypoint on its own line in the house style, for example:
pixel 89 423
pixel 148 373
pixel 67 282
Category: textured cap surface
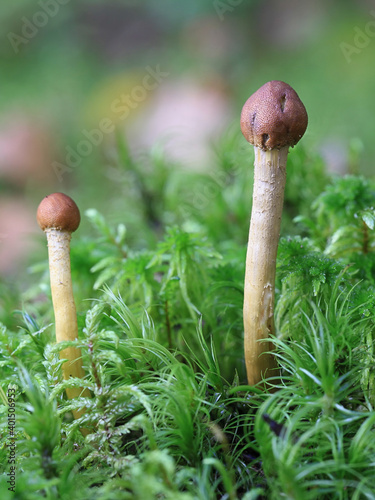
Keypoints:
pixel 273 117
pixel 58 211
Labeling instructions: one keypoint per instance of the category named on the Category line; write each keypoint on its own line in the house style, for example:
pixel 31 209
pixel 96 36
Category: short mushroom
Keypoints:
pixel 58 216
pixel 272 119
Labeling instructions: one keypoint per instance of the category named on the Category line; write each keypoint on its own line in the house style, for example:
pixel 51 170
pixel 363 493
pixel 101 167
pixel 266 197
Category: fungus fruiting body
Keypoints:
pixel 272 119
pixel 58 216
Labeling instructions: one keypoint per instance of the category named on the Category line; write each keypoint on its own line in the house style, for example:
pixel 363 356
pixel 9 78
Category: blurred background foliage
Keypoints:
pixel 63 65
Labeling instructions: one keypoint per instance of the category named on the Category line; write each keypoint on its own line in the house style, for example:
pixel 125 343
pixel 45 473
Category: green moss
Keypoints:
pixel 159 296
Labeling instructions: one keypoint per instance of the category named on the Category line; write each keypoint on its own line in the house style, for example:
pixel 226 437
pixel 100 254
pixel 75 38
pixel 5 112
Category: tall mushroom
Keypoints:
pixel 58 216
pixel 272 119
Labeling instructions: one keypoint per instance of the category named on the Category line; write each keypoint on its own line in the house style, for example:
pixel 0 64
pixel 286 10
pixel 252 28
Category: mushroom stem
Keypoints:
pixel 259 293
pixel 64 307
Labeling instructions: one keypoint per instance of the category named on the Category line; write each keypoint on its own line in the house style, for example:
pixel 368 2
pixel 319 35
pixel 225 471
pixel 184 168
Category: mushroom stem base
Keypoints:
pixel 65 310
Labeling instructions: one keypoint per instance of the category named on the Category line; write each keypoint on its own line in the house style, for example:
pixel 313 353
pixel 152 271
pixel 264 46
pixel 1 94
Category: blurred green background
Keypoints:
pixel 71 68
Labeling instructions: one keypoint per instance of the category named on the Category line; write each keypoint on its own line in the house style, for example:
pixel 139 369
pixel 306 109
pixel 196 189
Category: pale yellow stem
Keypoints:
pixel 259 292
pixel 64 307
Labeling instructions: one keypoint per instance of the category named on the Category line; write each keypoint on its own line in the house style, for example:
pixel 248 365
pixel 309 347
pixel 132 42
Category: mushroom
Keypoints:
pixel 58 216
pixel 272 119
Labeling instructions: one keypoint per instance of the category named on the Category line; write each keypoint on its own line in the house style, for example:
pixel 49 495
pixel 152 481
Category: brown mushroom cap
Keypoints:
pixel 273 117
pixel 58 211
